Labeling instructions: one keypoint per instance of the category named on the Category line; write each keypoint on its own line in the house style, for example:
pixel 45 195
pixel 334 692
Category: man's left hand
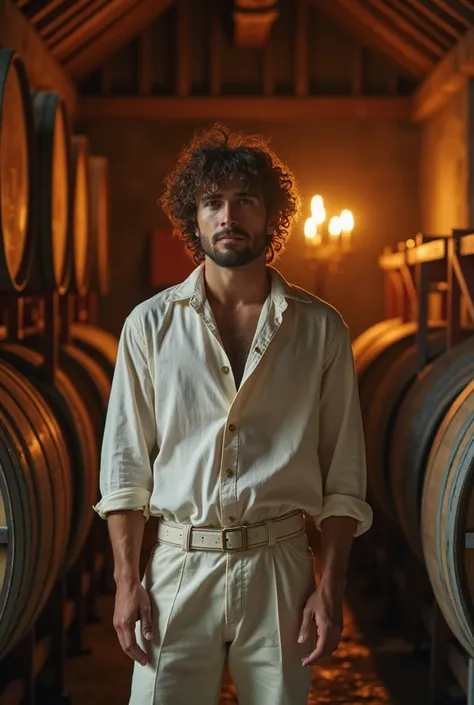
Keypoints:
pixel 325 609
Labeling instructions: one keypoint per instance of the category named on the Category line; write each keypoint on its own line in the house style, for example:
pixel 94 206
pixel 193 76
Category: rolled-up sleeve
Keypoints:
pixel 341 438
pixel 126 478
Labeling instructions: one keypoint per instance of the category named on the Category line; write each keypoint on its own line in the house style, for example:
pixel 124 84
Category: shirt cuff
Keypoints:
pixel 344 505
pixel 125 499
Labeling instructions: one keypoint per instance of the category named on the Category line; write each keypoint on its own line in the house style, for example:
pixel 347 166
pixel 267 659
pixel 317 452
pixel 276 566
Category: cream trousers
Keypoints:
pixel 244 607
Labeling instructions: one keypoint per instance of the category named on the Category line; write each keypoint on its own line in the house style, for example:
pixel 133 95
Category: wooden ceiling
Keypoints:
pixel 414 34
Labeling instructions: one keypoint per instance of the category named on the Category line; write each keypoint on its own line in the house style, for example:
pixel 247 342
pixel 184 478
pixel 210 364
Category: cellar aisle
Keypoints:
pixel 372 666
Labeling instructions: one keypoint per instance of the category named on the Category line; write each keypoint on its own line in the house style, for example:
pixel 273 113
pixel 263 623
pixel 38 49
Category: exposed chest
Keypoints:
pixel 237 332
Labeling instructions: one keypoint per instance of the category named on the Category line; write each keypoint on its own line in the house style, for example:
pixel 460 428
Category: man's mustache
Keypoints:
pixel 229 232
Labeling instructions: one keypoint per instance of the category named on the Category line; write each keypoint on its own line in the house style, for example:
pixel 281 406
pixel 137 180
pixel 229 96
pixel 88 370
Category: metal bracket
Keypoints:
pixel 469 539
pixel 3 534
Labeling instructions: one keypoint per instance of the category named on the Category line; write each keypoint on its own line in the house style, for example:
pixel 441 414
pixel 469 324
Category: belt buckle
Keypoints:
pixel 243 534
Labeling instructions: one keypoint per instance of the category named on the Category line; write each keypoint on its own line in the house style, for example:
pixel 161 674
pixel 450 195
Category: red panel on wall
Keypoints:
pixel 169 261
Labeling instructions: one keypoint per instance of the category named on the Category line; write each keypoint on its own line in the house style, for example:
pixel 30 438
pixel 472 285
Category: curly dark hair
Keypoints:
pixel 211 158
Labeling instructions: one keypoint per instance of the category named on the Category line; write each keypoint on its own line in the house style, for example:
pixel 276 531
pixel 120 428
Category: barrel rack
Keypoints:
pixel 430 272
pixel 33 672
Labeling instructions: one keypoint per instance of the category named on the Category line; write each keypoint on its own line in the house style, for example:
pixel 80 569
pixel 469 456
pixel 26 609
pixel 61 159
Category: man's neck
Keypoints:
pixel 237 287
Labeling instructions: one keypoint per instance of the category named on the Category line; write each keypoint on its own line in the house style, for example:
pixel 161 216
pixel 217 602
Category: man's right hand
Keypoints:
pixel 132 604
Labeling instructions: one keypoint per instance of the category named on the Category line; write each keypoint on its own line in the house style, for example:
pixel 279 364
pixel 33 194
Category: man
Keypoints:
pixel 234 408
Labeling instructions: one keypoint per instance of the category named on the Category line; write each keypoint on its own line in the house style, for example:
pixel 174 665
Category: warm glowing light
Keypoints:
pixel 347 221
pixel 410 243
pixel 310 229
pixel 318 211
pixel 335 226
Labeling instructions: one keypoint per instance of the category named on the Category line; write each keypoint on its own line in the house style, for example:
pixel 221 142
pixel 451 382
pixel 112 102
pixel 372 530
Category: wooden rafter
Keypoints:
pixel 253 20
pixel 447 7
pixel 421 9
pixel 107 39
pixel 408 28
pixel 373 32
pixel 447 78
pixel 44 72
pixel 272 109
pixel 66 21
pixel 46 10
pixel 97 23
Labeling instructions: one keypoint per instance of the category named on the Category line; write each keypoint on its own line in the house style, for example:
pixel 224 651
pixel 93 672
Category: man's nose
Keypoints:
pixel 227 216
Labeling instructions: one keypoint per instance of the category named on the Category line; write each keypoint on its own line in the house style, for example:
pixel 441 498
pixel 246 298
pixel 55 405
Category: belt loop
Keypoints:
pixel 271 533
pixel 186 537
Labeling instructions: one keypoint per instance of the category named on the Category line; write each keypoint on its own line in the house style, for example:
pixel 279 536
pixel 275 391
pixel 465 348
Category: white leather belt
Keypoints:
pixel 232 538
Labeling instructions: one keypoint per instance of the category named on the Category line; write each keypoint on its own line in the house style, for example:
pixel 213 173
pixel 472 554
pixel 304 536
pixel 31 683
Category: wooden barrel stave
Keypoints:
pixel 99 195
pixel 382 413
pixel 365 339
pixel 82 243
pixel 419 418
pixel 33 429
pixel 18 182
pixel 101 345
pixel 52 267
pixel 447 514
pixel 79 433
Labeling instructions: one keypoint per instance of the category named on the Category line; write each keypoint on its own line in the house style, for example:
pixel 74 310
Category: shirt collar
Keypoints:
pixel 193 288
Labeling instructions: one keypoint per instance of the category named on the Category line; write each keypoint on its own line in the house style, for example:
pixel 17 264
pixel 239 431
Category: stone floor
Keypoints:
pixel 373 665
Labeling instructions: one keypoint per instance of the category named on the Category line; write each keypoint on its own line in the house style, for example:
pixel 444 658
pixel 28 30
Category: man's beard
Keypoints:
pixel 234 255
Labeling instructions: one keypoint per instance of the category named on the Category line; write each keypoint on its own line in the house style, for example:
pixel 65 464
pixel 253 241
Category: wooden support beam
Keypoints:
pixel 253 20
pixel 183 50
pixel 215 53
pixel 268 69
pixel 447 79
pixel 43 71
pixel 407 28
pixel 373 32
pixel 145 78
pixel 74 16
pixel 97 23
pixel 301 50
pixel 419 19
pixel 121 30
pixel 246 108
pixel 434 17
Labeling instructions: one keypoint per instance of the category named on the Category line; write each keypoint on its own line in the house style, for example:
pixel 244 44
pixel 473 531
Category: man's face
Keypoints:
pixel 232 224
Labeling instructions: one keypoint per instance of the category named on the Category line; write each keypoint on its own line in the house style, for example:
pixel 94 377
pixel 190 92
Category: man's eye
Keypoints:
pixel 213 204
pixel 246 201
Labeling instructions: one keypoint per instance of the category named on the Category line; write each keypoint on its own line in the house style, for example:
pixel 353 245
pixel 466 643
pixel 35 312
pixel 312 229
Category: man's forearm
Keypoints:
pixel 126 536
pixel 337 533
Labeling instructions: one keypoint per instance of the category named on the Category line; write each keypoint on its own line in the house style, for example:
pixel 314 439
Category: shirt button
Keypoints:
pixel 225 370
pixel 258 351
pixel 232 427
pixel 231 520
pixel 229 473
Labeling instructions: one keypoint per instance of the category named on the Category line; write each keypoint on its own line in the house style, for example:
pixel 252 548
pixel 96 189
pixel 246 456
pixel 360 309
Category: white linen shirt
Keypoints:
pixel 180 441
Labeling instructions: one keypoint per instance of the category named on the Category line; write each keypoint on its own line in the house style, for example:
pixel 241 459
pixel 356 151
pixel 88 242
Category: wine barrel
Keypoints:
pixel 419 418
pixel 101 345
pixel 78 430
pixel 365 339
pixel 447 518
pixel 374 364
pixel 52 270
pixel 99 180
pixel 381 415
pixel 89 379
pixel 82 241
pixel 35 504
pixel 18 182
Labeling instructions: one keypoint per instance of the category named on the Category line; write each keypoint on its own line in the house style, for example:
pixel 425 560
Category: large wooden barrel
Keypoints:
pixel 365 339
pixel 35 503
pixel 101 345
pixel 381 414
pixel 79 433
pixel 82 239
pixel 99 181
pixel 419 418
pixel 447 518
pixel 374 363
pixel 18 182
pixel 53 262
